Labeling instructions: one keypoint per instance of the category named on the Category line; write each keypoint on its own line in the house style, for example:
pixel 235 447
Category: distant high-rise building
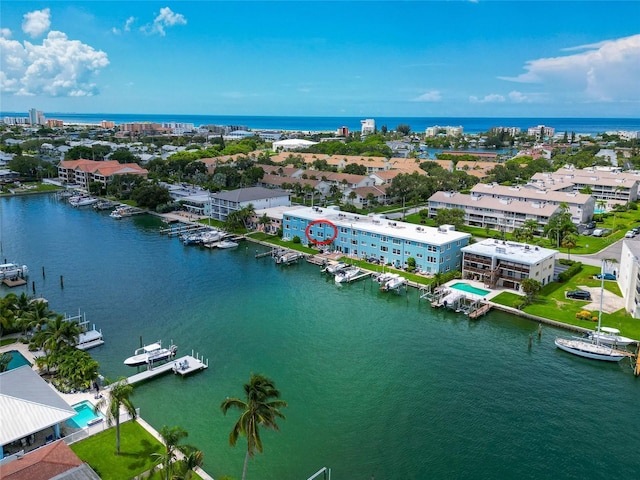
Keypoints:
pixel 36 117
pixel 107 124
pixel 342 132
pixel 541 132
pixel 448 131
pixel 368 126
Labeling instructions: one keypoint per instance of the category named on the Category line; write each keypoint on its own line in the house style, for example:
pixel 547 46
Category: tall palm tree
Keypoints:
pixel 171 437
pixel 35 317
pixel 260 408
pixel 119 396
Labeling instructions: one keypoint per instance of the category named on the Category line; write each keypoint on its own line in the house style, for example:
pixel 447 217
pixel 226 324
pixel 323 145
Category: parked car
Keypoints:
pixel 630 234
pixel 607 276
pixel 579 295
pixel 601 232
pixel 591 225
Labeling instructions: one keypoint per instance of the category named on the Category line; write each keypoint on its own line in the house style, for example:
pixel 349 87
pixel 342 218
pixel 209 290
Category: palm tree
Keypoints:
pixel 193 458
pixel 171 437
pixel 8 311
pixel 259 409
pixel 57 334
pixel 119 396
pixel 569 241
pixel 35 317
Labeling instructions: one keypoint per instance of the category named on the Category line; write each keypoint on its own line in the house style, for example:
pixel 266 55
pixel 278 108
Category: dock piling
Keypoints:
pixel 61 281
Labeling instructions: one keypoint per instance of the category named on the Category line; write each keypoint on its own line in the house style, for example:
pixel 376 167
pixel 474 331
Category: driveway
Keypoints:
pixel 610 301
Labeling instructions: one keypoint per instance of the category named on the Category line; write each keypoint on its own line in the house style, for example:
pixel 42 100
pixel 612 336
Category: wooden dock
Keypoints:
pixel 480 311
pixel 636 370
pixel 16 282
pixel 180 366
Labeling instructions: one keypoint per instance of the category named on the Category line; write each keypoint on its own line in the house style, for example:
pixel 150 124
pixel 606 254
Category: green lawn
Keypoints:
pixel 552 304
pixel 136 447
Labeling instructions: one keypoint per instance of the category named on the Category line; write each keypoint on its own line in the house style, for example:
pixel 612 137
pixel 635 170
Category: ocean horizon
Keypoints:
pixel 329 123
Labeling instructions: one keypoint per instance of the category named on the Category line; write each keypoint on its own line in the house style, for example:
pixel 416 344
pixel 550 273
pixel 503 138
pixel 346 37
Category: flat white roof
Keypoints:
pixel 510 251
pixel 381 226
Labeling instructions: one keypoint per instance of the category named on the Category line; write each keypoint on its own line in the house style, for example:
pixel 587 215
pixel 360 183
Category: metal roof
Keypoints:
pixel 28 405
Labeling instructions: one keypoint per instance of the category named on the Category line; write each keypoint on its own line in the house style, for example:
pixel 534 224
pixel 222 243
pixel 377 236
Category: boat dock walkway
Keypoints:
pixel 180 366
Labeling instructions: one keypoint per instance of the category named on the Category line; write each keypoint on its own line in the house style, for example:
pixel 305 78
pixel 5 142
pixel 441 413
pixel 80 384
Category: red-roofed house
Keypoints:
pixel 53 460
pixel 82 172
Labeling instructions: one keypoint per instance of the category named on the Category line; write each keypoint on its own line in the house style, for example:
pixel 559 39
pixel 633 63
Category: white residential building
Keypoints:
pixel 628 276
pixel 503 214
pixel 448 131
pixel 501 264
pixel 368 126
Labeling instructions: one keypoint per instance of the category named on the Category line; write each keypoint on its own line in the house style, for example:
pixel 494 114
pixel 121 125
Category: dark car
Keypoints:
pixel 607 276
pixel 591 225
pixel 579 295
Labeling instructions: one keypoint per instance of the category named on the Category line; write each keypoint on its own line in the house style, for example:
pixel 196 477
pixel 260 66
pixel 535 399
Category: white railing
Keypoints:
pixel 324 470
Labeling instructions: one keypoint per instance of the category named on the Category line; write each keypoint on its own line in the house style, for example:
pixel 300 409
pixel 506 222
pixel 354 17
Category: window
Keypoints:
pixel 396 241
pixel 373 245
pixel 419 255
pixel 431 248
pixel 384 249
pixel 432 259
pixel 396 251
pixel 384 239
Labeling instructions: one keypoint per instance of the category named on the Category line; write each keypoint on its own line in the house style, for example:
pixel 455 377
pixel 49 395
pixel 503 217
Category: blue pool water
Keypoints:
pixel 17 360
pixel 465 287
pixel 84 416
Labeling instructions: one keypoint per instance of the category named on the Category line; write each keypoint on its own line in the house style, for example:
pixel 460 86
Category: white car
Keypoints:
pixel 630 234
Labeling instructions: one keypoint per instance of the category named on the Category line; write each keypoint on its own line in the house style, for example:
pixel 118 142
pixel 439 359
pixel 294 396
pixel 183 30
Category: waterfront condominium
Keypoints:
pixel 502 264
pixel 373 237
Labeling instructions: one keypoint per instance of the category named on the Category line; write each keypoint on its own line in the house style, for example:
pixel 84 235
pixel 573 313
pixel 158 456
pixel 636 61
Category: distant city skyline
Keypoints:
pixel 375 58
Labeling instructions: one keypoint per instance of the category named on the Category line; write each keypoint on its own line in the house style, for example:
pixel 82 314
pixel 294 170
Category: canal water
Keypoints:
pixel 378 384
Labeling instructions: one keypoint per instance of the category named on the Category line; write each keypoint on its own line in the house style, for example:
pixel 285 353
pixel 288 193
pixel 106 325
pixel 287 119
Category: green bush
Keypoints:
pixel 570 272
pixel 296 239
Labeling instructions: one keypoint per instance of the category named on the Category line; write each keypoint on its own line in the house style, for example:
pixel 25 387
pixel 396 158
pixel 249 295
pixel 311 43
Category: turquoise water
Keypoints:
pixel 17 360
pixel 377 385
pixel 465 287
pixel 84 416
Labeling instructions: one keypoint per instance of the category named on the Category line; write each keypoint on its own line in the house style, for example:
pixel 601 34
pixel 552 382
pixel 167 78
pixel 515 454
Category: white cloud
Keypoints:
pixel 166 18
pixel 128 23
pixel 126 28
pixel 431 96
pixel 59 67
pixel 519 97
pixel 491 98
pixel 36 23
pixel 605 71
pixel 5 33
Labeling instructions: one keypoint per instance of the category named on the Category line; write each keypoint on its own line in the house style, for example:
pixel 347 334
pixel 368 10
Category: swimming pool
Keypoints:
pixel 465 287
pixel 17 360
pixel 85 416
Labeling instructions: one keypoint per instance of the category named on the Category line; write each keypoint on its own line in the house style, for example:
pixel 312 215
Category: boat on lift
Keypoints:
pixel 150 354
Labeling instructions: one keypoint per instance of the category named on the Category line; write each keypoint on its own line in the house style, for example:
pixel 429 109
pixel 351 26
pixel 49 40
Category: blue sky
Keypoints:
pixel 335 58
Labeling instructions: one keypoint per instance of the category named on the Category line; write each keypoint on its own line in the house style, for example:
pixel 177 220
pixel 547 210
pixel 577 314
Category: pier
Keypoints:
pixel 182 228
pixel 180 366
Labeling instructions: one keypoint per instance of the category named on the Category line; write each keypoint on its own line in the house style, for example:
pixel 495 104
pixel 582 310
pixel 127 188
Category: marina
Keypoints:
pixel 466 393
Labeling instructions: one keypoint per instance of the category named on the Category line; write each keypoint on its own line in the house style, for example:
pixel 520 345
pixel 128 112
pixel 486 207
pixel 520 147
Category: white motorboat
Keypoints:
pixel 588 349
pixel 12 271
pixel 115 214
pixel 83 201
pixel 346 275
pixel 610 336
pixel 227 244
pixel 393 282
pixel 593 348
pixel 336 267
pixel 151 353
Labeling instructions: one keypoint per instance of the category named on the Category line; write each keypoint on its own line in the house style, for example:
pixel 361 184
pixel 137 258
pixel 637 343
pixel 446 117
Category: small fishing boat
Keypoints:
pixel 346 275
pixel 13 271
pixel 227 244
pixel 150 354
pixel 336 267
